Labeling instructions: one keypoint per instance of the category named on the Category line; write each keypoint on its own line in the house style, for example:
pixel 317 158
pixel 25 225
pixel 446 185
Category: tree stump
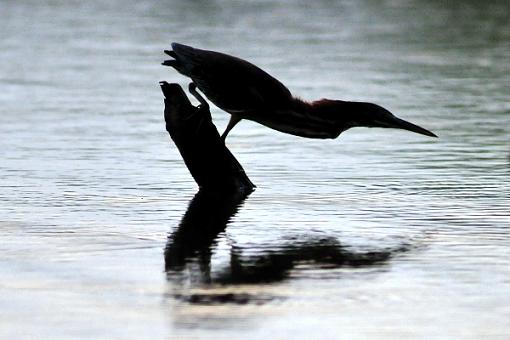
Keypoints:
pixel 211 164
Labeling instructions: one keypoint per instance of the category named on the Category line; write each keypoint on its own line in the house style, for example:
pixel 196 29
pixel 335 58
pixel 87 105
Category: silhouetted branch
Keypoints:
pixel 209 161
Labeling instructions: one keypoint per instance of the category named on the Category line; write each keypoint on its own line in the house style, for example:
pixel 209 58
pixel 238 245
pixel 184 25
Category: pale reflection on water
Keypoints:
pixel 378 234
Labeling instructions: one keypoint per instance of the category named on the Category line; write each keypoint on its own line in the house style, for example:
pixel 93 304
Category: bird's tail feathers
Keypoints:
pixel 171 53
pixel 171 62
pixel 185 59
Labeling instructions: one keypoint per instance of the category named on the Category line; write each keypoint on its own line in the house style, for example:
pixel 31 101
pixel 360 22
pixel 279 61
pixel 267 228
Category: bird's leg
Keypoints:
pixel 234 119
pixel 193 90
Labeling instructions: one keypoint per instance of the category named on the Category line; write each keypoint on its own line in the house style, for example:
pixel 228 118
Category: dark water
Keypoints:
pixel 378 234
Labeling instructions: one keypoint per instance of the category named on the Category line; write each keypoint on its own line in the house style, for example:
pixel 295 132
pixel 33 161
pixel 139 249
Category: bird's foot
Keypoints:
pixel 192 87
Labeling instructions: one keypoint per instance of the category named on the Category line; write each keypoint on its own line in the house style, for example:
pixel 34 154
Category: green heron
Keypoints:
pixel 247 92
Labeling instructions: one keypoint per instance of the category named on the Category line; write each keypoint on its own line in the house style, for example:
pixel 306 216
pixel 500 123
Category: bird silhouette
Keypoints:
pixel 247 92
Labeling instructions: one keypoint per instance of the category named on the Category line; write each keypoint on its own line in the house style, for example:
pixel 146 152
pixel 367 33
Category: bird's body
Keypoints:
pixel 247 92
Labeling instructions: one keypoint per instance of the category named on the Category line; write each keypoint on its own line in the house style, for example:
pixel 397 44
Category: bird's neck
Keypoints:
pixel 339 115
pixel 316 119
pixel 323 107
pixel 303 107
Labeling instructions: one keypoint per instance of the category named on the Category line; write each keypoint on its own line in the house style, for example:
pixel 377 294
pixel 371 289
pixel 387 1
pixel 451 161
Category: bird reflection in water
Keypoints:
pixel 189 249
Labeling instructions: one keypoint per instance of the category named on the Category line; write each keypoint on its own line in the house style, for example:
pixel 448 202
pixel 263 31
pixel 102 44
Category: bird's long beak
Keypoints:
pixel 397 123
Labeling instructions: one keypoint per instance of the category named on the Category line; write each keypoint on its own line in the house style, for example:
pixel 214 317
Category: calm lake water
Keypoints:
pixel 379 234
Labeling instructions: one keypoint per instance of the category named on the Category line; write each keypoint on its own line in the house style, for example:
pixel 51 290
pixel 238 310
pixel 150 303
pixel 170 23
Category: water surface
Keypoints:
pixel 378 234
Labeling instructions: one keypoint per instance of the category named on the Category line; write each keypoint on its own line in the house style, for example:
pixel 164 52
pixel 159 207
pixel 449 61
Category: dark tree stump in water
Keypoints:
pixel 211 164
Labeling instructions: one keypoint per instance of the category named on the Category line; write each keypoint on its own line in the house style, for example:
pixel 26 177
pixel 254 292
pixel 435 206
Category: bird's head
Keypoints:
pixel 373 115
pixel 362 114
